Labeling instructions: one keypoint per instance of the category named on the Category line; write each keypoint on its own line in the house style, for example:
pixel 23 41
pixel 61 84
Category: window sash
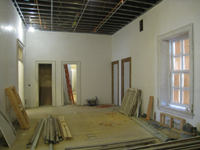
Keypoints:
pixel 173 71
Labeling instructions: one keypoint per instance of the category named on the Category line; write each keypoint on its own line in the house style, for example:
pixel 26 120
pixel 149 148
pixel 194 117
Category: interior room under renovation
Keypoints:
pixel 99 74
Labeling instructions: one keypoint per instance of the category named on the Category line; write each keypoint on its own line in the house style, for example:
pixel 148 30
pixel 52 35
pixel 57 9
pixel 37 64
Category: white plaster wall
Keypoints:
pixel 8 51
pixel 92 51
pixel 142 47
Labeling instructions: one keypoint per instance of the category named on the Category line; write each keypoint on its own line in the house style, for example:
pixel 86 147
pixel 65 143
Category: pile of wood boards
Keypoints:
pixel 131 102
pixel 55 130
pixel 52 132
pixel 18 107
pixel 65 129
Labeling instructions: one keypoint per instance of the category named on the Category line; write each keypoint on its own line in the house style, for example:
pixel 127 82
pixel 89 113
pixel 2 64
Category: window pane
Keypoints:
pixel 176 96
pixel 177 63
pixel 20 53
pixel 186 96
pixel 177 48
pixel 186 61
pixel 186 46
pixel 186 79
pixel 176 80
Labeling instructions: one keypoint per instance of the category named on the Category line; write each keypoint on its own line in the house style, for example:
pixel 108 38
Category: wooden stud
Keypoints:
pixel 149 108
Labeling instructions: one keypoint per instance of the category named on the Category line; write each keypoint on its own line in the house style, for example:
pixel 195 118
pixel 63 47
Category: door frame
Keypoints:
pixel 112 65
pixel 128 59
pixel 21 45
pixel 78 79
pixel 53 64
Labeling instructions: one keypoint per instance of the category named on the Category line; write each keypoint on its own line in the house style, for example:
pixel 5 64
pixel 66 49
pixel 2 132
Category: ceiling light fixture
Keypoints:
pixel 31 29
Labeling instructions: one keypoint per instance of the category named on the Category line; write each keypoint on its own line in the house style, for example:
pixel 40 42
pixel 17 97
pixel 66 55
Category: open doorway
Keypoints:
pixel 50 67
pixel 20 49
pixel 125 75
pixel 70 85
pixel 115 82
pixel 45 84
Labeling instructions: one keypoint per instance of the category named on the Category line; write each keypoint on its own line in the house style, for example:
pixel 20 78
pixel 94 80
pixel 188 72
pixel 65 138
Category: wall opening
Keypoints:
pixel 53 81
pixel 74 77
pixel 20 50
pixel 115 82
pixel 125 75
pixel 70 84
pixel 45 84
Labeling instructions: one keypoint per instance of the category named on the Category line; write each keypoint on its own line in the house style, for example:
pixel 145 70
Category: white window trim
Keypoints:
pixel 163 71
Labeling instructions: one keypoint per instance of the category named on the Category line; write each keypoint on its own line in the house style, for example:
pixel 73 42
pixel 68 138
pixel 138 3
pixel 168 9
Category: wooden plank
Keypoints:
pixel 22 113
pixel 171 123
pixel 19 101
pixel 14 106
pixel 69 135
pixel 65 129
pixel 15 102
pixel 151 98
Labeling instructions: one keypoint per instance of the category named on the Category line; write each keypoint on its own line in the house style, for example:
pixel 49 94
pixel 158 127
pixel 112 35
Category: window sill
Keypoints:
pixel 178 112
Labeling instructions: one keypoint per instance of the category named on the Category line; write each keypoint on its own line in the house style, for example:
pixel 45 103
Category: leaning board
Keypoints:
pixel 129 101
pixel 7 131
pixel 18 107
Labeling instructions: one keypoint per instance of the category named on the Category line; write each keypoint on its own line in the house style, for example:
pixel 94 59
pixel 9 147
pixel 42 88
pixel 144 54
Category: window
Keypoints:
pixel 175 72
pixel 180 72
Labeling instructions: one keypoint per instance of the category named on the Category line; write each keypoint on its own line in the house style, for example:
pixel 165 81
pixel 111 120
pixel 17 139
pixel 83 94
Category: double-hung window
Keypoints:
pixel 175 72
pixel 180 72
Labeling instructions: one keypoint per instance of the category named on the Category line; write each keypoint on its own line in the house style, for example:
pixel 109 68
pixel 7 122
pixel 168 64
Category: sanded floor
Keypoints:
pixel 88 125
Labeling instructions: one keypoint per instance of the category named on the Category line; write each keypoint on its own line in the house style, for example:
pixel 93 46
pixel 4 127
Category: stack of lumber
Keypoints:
pixel 52 133
pixel 66 134
pixel 55 130
pixel 188 143
pixel 131 102
pixel 18 107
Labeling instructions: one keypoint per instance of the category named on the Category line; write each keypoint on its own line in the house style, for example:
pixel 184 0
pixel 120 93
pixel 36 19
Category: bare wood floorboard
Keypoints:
pixel 88 126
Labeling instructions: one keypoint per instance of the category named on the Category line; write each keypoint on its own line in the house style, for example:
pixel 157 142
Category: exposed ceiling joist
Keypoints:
pixel 84 16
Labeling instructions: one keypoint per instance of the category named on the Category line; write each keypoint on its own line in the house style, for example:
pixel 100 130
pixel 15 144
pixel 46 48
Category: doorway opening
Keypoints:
pixel 125 75
pixel 73 69
pixel 115 82
pixel 20 49
pixel 45 84
pixel 70 83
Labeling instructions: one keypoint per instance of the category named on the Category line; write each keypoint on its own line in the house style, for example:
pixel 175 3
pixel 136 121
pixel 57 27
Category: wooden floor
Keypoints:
pixel 88 125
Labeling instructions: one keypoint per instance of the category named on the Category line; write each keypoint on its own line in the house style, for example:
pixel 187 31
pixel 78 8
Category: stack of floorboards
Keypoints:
pixel 65 129
pixel 131 102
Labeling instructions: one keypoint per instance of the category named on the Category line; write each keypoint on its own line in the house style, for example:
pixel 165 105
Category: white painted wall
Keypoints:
pixel 142 47
pixel 92 51
pixel 8 51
